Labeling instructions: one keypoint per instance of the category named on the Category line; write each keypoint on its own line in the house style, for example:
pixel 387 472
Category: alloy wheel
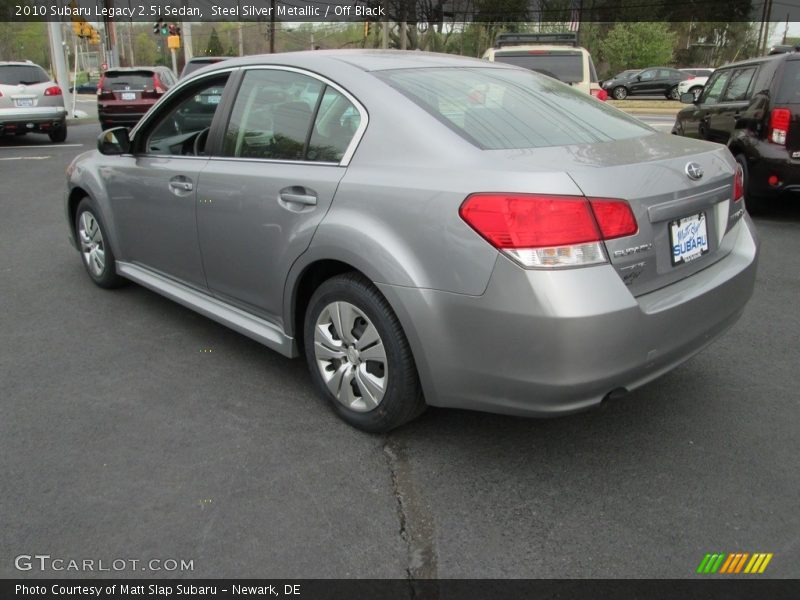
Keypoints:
pixel 350 356
pixel 92 244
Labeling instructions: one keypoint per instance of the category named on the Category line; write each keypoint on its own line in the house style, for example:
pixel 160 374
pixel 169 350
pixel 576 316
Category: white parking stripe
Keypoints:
pixel 26 158
pixel 38 146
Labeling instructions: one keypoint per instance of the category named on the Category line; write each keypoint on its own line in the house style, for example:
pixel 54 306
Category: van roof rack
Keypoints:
pixel 569 38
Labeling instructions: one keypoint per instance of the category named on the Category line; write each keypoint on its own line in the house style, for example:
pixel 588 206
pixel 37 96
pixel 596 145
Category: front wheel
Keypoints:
pixel 673 94
pixel 359 357
pixel 619 93
pixel 98 258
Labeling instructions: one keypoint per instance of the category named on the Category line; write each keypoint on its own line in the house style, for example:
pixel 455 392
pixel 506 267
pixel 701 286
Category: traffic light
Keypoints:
pixel 95 37
pixel 157 27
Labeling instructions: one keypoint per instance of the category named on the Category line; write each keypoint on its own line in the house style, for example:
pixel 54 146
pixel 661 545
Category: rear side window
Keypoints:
pixel 789 92
pixel 128 80
pixel 336 123
pixel 496 108
pixel 739 86
pixel 562 65
pixel 22 74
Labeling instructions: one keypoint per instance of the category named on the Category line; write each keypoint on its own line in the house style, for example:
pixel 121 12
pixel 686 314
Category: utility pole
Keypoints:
pixel 241 38
pixel 57 60
pixel 272 27
pixel 186 32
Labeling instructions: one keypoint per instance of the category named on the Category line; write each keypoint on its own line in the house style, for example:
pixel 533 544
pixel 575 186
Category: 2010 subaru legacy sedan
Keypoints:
pixel 424 229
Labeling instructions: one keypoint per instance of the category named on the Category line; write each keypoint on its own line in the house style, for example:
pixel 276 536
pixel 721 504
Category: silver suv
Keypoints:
pixel 30 101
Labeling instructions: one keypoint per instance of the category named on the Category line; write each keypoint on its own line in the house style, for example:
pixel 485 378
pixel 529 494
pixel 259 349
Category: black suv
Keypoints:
pixel 651 81
pixel 753 106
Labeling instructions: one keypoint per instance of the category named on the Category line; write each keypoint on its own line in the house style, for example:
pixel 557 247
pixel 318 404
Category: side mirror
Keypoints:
pixel 638 78
pixel 687 98
pixel 114 142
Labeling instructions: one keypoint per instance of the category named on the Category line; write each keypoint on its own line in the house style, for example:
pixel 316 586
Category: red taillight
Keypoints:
pixel 738 184
pixel 157 84
pixel 53 91
pixel 548 231
pixel 600 94
pixel 779 125
pixel 614 217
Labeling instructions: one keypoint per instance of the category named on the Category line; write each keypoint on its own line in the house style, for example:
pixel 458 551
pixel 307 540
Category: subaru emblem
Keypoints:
pixel 694 171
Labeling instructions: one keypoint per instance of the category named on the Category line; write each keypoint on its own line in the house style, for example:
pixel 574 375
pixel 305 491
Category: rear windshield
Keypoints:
pixel 789 92
pixel 562 65
pixel 496 108
pixel 22 74
pixel 128 80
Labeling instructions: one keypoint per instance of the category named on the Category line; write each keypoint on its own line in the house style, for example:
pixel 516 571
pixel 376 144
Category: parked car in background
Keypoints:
pixel 753 107
pixel 124 95
pixel 623 75
pixel 694 85
pixel 31 102
pixel 198 62
pixel 556 55
pixel 90 87
pixel 647 82
pixel 518 247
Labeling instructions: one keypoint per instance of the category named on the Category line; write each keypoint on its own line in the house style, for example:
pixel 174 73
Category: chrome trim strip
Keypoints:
pixel 262 331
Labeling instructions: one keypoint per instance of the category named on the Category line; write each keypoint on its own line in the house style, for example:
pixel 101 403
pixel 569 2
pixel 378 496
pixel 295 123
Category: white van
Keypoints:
pixel 554 54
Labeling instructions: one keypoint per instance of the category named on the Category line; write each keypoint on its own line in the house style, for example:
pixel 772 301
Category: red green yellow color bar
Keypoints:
pixel 735 562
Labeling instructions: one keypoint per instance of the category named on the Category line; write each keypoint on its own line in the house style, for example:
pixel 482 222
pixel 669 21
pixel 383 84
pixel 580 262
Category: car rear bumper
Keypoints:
pixel 775 160
pixel 32 119
pixel 119 118
pixel 547 343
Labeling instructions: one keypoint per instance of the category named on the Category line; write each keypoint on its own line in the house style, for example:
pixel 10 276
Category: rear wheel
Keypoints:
pixel 619 93
pixel 754 204
pixel 58 135
pixel 359 357
pixel 673 94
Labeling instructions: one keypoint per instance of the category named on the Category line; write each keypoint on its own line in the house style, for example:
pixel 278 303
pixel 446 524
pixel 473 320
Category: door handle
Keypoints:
pixel 181 184
pixel 298 195
pixel 184 186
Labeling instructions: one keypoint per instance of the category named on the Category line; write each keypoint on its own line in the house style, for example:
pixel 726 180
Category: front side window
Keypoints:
pixel 177 130
pixel 713 90
pixel 495 108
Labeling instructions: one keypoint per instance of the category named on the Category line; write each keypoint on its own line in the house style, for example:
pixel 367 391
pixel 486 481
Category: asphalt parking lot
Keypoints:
pixel 133 428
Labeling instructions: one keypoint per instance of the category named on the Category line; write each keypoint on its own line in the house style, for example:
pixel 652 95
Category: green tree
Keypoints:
pixel 214 47
pixel 145 48
pixel 638 45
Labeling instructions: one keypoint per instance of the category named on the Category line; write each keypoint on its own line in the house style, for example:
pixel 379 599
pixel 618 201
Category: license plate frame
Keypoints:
pixel 128 96
pixel 23 102
pixel 688 238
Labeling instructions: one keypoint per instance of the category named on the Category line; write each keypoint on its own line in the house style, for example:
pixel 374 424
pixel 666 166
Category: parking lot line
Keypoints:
pixel 42 146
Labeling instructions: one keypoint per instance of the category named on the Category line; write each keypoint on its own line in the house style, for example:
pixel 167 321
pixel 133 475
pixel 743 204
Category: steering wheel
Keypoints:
pixel 200 141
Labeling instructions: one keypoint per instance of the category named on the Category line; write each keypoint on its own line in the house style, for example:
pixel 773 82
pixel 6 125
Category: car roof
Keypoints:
pixel 763 59
pixel 366 60
pixel 133 69
pixel 525 47
pixel 18 63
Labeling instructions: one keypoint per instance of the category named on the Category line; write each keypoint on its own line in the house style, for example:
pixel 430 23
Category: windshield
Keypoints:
pixel 495 108
pixel 563 65
pixel 790 84
pixel 22 74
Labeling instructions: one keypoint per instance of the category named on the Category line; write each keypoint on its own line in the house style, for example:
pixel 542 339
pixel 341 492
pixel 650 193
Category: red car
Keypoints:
pixel 124 95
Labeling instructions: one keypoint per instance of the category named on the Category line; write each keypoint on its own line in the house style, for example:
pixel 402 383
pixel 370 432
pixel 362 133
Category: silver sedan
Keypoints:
pixel 423 229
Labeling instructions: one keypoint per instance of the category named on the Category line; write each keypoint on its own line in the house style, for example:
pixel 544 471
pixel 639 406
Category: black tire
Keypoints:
pixel 58 135
pixel 107 277
pixel 672 93
pixel 753 203
pixel 619 93
pixel 402 399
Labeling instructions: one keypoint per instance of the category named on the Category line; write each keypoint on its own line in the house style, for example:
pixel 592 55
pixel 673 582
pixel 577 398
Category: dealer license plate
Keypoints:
pixel 24 102
pixel 129 95
pixel 688 238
